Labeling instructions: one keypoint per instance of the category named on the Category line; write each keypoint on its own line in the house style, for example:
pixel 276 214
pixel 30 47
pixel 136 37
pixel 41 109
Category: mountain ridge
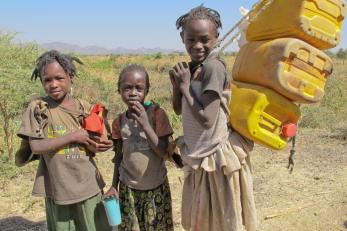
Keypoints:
pixel 99 50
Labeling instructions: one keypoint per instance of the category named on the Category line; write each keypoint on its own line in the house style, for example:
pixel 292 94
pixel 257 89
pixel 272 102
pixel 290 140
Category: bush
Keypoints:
pixel 332 110
pixel 16 66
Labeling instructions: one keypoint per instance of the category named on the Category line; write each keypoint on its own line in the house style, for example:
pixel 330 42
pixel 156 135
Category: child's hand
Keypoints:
pixel 182 75
pixel 100 144
pixel 140 115
pixel 111 192
pixel 103 145
pixel 173 80
pixel 81 136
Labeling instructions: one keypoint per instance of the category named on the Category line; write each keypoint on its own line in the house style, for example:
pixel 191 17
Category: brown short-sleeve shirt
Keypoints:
pixel 200 142
pixel 69 175
pixel 141 168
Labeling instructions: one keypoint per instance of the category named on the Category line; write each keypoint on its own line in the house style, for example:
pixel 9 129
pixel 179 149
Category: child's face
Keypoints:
pixel 199 37
pixel 56 82
pixel 133 87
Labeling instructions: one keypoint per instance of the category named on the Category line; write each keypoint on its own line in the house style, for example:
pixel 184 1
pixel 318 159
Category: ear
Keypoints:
pixel 216 32
pixel 72 78
pixel 182 36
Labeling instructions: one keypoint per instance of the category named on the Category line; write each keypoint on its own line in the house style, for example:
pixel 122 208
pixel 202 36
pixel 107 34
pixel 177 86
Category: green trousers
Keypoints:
pixel 88 215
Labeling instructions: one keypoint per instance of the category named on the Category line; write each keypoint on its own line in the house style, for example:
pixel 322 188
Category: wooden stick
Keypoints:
pixel 290 210
pixel 321 193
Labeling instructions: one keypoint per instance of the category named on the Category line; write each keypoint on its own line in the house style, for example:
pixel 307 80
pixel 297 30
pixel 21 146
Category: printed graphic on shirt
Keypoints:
pixel 71 151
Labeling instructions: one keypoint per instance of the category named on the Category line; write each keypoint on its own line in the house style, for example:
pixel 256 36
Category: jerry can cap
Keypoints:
pixel 289 129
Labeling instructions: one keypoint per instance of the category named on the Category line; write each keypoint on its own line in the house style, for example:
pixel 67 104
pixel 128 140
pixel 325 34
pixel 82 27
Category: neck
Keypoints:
pixel 66 102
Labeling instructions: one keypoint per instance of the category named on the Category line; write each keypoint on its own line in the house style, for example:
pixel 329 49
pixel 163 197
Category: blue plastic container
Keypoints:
pixel 111 205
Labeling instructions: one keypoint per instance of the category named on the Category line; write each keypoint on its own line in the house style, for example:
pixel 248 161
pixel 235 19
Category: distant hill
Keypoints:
pixel 97 50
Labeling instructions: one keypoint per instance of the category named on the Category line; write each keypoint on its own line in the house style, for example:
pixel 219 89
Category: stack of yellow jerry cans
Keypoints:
pixel 282 65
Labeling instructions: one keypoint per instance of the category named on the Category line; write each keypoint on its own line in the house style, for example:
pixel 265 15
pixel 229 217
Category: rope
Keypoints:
pixel 257 8
pixel 291 156
pixel 229 42
pixel 218 43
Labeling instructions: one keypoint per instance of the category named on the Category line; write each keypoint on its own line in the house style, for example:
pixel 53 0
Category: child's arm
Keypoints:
pixel 176 95
pixel 118 159
pixel 51 145
pixel 113 191
pixel 158 144
pixel 204 111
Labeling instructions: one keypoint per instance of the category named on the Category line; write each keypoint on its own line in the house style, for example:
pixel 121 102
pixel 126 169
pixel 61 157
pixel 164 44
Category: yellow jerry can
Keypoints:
pixel 291 67
pixel 262 115
pixel 317 22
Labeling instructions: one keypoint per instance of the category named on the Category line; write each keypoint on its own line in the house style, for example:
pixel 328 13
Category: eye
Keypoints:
pixel 139 88
pixel 126 88
pixel 46 80
pixel 205 40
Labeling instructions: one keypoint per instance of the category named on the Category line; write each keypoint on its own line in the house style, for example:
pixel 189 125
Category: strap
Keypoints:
pixel 257 8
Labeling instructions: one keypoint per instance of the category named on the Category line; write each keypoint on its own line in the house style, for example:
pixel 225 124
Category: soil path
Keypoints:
pixel 312 198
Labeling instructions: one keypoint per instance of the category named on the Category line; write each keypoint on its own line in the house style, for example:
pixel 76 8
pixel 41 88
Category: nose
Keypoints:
pixel 133 91
pixel 198 45
pixel 53 84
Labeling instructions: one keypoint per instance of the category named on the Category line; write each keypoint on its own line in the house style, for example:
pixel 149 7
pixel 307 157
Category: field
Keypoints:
pixel 311 198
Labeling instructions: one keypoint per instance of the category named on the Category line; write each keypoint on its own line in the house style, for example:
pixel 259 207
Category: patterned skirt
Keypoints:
pixel 146 210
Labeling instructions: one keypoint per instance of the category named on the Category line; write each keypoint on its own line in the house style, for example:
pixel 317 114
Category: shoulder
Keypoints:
pixel 152 107
pixel 34 119
pixel 84 105
pixel 159 120
pixel 37 106
pixel 214 64
pixel 155 109
pixel 116 122
pixel 214 70
pixel 116 127
pixel 156 114
pixel 214 73
pixel 39 101
pixel 160 114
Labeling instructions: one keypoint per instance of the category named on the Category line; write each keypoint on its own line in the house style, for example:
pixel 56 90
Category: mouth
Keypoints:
pixel 55 92
pixel 198 54
pixel 132 101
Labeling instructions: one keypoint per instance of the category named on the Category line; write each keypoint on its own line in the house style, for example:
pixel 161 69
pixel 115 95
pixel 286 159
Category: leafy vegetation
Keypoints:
pixel 97 81
pixel 342 54
pixel 332 110
pixel 17 90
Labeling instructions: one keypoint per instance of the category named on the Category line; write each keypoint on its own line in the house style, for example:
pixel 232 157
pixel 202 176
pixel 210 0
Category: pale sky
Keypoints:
pixel 111 23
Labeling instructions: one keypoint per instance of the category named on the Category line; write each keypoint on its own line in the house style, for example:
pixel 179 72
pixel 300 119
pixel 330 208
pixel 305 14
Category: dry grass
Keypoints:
pixel 312 198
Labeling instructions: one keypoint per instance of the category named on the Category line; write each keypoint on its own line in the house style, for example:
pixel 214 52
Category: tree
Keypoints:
pixel 341 54
pixel 16 63
pixel 329 53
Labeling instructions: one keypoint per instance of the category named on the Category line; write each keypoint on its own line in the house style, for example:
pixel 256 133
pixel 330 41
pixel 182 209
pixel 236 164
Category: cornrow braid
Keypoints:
pixel 130 68
pixel 199 12
pixel 65 61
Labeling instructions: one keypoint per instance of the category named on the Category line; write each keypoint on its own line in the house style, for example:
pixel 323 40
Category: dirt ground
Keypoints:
pixel 312 198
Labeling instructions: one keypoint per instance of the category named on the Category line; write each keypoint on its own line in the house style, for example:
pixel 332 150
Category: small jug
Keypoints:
pixel 112 208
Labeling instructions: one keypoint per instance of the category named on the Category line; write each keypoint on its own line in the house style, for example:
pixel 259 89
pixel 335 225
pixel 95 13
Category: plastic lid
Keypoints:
pixel 289 129
pixel 147 103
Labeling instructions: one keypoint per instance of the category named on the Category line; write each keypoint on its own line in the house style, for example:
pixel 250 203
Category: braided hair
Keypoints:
pixel 197 13
pixel 130 68
pixel 65 61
